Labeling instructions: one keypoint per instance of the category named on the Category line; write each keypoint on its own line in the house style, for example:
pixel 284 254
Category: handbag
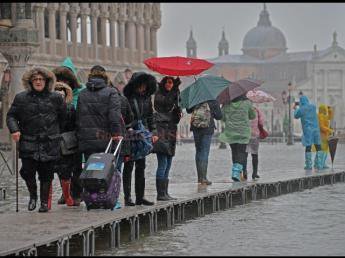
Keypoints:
pixel 140 138
pixel 69 143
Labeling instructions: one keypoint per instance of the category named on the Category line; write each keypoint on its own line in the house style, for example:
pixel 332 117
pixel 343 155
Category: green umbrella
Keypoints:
pixel 204 88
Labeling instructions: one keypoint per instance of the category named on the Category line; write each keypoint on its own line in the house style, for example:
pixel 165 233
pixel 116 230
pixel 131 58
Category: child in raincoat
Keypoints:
pixel 311 132
pixel 325 115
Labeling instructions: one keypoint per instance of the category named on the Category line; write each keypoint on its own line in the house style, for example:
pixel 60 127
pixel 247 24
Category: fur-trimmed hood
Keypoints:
pixel 136 80
pixel 64 73
pixel 67 89
pixel 50 78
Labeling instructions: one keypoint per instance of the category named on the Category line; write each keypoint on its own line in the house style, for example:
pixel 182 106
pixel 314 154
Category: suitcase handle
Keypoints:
pixel 117 147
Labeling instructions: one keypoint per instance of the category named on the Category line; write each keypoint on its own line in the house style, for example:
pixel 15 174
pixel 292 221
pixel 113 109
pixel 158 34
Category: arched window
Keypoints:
pixel 46 23
pixel 68 27
pixel 57 25
pixel 99 29
pixel 88 29
pixel 78 29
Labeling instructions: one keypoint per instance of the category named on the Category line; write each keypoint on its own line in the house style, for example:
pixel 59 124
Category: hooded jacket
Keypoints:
pixel 71 113
pixel 309 121
pixel 98 116
pixel 145 112
pixel 68 72
pixel 38 116
pixel 236 116
pixel 324 123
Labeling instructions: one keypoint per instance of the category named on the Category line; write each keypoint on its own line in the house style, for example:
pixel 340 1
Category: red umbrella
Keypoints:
pixel 177 65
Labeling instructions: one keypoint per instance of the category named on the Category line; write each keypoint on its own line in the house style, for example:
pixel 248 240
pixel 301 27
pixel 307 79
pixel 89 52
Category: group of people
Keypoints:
pixel 56 105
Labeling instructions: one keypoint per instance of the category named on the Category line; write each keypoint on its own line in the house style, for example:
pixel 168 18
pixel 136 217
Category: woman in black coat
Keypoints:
pixel 167 117
pixel 139 90
pixel 34 120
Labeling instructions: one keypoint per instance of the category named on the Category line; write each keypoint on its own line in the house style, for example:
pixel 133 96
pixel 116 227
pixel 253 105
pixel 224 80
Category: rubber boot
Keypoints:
pixel 166 190
pixel 160 185
pixel 44 195
pixel 319 159
pixel 139 192
pixel 32 187
pixel 236 172
pixel 66 190
pixel 308 161
pixel 50 196
pixel 324 165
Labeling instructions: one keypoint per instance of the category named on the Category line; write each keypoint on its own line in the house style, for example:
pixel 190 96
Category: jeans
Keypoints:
pixel 202 147
pixel 317 147
pixel 164 165
pixel 238 153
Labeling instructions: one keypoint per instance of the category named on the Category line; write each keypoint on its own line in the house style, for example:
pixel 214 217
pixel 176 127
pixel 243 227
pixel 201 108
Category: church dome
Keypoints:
pixel 264 37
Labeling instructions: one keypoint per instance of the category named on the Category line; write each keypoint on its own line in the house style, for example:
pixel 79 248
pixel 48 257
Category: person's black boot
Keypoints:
pixel 255 162
pixel 139 192
pixel 32 187
pixel 129 202
pixel 166 190
pixel 44 195
pixel 127 181
pixel 160 185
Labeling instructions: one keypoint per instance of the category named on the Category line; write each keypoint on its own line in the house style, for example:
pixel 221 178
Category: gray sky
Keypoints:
pixel 303 25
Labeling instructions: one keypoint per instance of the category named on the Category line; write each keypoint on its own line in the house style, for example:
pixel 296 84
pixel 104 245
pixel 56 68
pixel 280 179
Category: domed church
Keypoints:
pixel 318 74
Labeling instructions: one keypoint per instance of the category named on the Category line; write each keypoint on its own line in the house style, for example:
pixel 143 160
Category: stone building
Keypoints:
pixel 318 74
pixel 116 35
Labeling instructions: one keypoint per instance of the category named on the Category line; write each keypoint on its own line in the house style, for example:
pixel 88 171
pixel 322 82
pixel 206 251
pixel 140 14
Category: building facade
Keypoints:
pixel 318 74
pixel 117 36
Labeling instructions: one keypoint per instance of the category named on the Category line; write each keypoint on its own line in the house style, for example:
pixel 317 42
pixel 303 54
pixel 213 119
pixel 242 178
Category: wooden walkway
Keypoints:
pixel 24 232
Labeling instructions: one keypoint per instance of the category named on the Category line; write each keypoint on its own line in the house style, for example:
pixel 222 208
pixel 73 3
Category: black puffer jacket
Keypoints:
pixel 167 116
pixel 216 113
pixel 98 116
pixel 144 101
pixel 38 116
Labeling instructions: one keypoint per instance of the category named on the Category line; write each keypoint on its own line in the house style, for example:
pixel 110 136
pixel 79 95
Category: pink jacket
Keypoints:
pixel 254 123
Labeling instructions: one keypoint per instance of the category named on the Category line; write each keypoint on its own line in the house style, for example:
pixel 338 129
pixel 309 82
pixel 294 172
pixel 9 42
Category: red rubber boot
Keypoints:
pixel 66 186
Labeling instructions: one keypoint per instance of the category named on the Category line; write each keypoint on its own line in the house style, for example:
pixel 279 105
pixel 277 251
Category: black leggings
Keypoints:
pixel 238 153
pixel 317 147
pixel 30 167
pixel 255 162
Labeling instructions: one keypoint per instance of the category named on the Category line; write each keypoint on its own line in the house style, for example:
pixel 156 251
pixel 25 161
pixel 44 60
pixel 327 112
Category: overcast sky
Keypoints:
pixel 303 25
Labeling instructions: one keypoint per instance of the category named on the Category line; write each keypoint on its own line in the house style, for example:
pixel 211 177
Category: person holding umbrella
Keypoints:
pixel 311 131
pixel 167 116
pixel 237 131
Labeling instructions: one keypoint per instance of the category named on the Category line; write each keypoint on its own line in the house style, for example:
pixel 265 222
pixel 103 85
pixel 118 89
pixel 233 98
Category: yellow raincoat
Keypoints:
pixel 325 115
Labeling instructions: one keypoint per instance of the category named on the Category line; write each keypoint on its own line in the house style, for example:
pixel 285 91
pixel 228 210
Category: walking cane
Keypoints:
pixel 16 168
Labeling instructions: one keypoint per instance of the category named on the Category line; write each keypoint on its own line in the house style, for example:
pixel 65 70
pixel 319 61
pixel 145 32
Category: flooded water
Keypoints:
pixel 302 223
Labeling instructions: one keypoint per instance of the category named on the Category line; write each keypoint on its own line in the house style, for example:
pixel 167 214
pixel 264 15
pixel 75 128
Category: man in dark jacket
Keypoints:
pixel 202 139
pixel 34 119
pixel 98 113
pixel 138 91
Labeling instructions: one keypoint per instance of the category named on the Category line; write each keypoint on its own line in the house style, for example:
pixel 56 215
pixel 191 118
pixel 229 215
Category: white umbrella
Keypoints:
pixel 259 96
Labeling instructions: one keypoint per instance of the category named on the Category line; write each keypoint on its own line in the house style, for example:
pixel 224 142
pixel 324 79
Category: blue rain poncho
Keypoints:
pixel 309 121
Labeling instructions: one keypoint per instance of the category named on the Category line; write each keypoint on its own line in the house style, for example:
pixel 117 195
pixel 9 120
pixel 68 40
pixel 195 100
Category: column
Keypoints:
pixel 140 37
pixel 63 29
pixel 94 34
pixel 104 36
pixel 325 86
pixel 113 38
pixel 122 40
pixel 73 16
pixel 40 26
pixel 52 31
pixel 154 39
pixel 83 17
pixel 147 37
